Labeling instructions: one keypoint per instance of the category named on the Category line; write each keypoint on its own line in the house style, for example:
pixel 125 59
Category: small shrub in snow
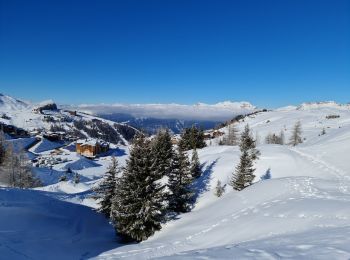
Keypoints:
pixel 267 175
pixel 219 189
pixel 76 178
pixel 332 116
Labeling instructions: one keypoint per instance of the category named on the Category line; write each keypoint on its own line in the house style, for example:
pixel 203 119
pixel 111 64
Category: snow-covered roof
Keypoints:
pixel 91 142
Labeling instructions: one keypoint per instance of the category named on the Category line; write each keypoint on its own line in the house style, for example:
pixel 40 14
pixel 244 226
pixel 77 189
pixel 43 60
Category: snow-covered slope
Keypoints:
pixel 10 104
pixel 303 212
pixel 45 117
pixel 36 226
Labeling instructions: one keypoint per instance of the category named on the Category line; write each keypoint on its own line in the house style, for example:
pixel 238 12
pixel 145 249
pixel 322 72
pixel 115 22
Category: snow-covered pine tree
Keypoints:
pixel 162 151
pixel 296 138
pixel 195 168
pixel 232 136
pixel 244 172
pixel 138 207
pixel 219 189
pixel 180 180
pixel 106 189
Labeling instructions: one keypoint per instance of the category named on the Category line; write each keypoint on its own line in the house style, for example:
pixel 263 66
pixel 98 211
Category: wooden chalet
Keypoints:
pixel 91 148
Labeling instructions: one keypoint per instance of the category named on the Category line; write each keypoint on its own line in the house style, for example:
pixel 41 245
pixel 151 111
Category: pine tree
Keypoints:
pixel 162 151
pixel 219 189
pixel 180 181
pixel 138 207
pixel 296 138
pixel 192 138
pixel 232 136
pixel 106 190
pixel 196 169
pixel 244 172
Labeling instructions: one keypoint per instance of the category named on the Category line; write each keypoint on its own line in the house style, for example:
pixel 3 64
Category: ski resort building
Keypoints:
pixel 91 147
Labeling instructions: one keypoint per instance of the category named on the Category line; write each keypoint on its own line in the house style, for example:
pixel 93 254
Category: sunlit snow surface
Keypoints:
pixel 303 212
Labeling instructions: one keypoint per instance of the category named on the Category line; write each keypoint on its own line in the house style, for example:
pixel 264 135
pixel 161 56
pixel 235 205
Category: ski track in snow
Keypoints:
pixel 343 179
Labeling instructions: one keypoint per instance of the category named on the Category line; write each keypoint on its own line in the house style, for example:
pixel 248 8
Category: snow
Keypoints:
pixel 45 145
pixel 22 143
pixel 302 212
pixel 8 103
pixel 81 164
pixel 36 226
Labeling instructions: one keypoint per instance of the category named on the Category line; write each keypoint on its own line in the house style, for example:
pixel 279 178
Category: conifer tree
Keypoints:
pixel 296 138
pixel 138 207
pixel 244 172
pixel 162 151
pixel 180 181
pixel 106 190
pixel 232 136
pixel 192 138
pixel 196 169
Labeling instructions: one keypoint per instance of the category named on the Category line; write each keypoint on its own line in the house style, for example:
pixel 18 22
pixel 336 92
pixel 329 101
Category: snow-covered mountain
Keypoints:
pixel 200 111
pixel 46 117
pixel 302 212
pixel 176 117
pixel 8 103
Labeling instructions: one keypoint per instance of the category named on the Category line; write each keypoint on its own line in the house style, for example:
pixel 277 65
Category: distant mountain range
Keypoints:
pixel 151 117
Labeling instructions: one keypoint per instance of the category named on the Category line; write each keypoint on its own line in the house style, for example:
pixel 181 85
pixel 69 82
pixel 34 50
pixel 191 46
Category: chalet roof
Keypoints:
pixel 91 142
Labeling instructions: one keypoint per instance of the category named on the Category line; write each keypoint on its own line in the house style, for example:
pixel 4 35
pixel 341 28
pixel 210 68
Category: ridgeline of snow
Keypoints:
pixel 11 104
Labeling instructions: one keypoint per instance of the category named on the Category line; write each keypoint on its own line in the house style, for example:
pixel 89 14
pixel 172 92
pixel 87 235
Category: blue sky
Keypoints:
pixel 270 53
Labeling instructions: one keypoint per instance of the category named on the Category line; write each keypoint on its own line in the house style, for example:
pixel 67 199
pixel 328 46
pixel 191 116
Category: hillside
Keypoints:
pixel 46 119
pixel 303 212
pixel 307 198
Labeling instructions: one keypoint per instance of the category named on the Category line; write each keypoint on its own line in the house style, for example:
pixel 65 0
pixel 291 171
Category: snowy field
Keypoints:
pixel 303 212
